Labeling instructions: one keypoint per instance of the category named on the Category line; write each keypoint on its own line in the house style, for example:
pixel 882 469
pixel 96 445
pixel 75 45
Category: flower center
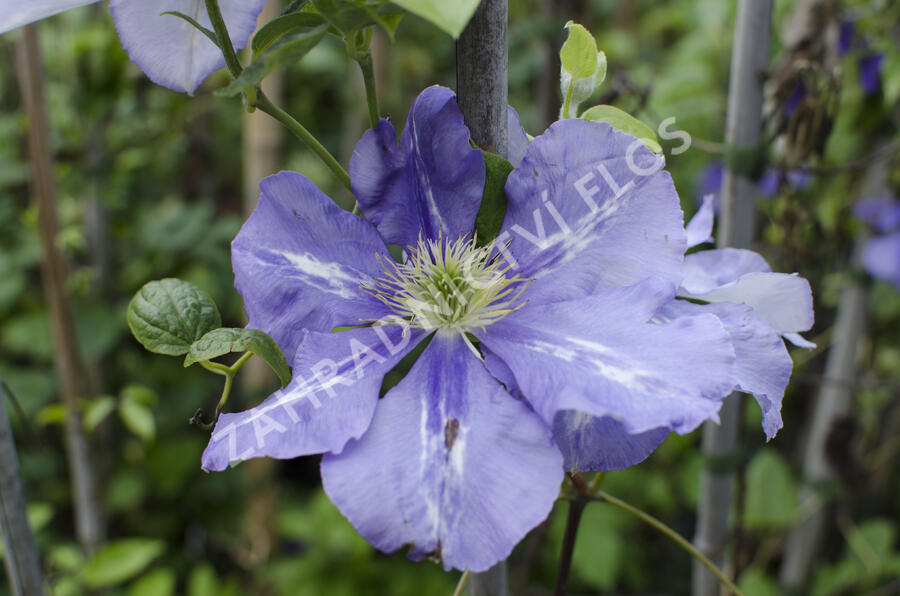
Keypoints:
pixel 448 285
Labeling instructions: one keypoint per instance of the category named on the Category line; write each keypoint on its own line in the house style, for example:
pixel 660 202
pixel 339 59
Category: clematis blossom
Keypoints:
pixel 539 351
pixel 758 308
pixel 169 50
pixel 881 253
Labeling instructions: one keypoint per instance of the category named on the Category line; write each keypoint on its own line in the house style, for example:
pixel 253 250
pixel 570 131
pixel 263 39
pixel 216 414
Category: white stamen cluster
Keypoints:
pixel 453 285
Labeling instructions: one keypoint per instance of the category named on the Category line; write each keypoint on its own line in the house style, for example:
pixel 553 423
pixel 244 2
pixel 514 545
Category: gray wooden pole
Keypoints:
pixel 481 76
pixel 835 399
pixel 23 564
pixel 481 89
pixel 69 366
pixel 749 61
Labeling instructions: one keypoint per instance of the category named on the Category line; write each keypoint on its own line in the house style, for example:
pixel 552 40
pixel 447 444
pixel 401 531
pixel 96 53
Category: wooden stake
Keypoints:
pixel 69 367
pixel 749 61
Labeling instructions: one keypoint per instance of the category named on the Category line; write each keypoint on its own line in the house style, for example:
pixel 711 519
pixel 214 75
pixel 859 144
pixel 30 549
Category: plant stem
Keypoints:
pixel 263 103
pixel 368 71
pixel 576 509
pixel 240 362
pixel 215 367
pixel 226 391
pixel 462 583
pixel 218 23
pixel 675 536
pixel 567 103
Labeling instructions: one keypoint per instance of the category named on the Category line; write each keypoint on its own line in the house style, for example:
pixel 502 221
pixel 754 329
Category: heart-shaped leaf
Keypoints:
pixel 228 339
pixel 169 315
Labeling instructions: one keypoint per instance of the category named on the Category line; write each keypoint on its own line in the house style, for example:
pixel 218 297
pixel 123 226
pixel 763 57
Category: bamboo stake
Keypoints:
pixel 834 400
pixel 481 87
pixel 23 564
pixel 749 61
pixel 69 367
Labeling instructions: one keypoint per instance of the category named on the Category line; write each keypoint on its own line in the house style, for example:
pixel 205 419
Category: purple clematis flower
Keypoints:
pixel 169 50
pixel 881 254
pixel 757 307
pixel 542 353
pixel 845 38
pixel 870 72
pixel 709 182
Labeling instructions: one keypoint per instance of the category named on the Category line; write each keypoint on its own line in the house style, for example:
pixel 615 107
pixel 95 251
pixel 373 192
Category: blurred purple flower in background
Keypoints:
pixel 169 50
pixel 709 182
pixel 869 63
pixel 881 254
pixel 870 72
pixel 845 38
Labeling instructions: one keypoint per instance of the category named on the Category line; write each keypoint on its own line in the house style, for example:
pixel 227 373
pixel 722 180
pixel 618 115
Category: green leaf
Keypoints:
pixel 159 582
pixel 755 582
pixel 52 414
pixel 350 16
pixel 97 411
pixel 169 315
pixel 451 16
pixel 203 582
pixel 771 500
pixel 140 394
pixel 599 548
pixel 578 55
pixel 120 561
pixel 624 122
pixel 280 27
pixel 137 417
pixel 582 70
pixel 65 557
pixel 223 341
pixel 212 36
pixel 39 515
pixel 493 202
pixel 287 51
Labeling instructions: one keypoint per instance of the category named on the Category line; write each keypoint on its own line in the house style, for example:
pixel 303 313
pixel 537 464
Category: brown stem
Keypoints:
pixel 576 509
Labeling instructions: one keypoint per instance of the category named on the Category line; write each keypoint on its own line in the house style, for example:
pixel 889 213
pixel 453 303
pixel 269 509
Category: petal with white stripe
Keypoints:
pixel 299 261
pixel 599 355
pixel 452 465
pixel 430 183
pixel 590 207
pixel 330 400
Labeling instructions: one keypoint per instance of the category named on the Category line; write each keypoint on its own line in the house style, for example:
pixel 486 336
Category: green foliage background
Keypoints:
pixel 149 187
